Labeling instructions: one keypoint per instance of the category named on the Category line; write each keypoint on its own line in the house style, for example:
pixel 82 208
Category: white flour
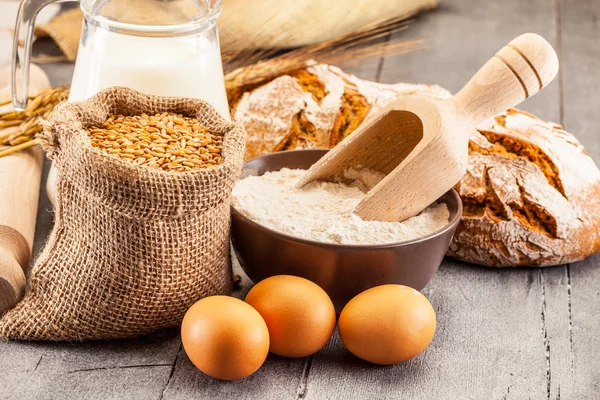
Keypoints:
pixel 323 211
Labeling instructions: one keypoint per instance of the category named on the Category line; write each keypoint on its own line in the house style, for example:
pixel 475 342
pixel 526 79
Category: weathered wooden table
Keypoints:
pixel 502 334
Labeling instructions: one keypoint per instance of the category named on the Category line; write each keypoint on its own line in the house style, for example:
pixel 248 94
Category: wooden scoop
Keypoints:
pixel 422 143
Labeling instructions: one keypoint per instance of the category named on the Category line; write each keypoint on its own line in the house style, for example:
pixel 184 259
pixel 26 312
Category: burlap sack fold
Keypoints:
pixel 132 247
pixel 65 30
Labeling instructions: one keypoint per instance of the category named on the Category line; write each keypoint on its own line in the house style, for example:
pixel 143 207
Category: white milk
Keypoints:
pixel 186 66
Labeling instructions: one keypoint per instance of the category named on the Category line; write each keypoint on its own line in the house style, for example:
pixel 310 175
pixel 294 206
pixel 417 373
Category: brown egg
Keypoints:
pixel 387 324
pixel 225 337
pixel 299 314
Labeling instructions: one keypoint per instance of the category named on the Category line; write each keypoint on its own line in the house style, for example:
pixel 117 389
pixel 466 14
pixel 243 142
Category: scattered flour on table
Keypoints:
pixel 323 211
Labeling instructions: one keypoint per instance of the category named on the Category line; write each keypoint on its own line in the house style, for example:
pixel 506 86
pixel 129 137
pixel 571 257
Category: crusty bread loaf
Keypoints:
pixel 314 107
pixel 531 193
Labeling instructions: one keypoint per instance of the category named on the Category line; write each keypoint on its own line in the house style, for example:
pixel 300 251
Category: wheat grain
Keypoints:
pixel 167 141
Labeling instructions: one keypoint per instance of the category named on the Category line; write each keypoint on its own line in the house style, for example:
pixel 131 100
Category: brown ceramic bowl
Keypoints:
pixel 342 271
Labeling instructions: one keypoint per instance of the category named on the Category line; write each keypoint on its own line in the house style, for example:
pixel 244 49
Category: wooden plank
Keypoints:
pixel 88 370
pixel 581 88
pixel 581 71
pixel 488 345
pixel 17 362
pixel 462 35
pixel 556 309
pixel 585 325
pixel 494 326
pixel 279 378
pixel 157 349
pixel 132 383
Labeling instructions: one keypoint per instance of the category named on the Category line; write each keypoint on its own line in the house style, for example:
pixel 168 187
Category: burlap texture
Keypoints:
pixel 132 247
pixel 65 30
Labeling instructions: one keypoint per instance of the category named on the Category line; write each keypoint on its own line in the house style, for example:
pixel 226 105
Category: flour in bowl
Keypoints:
pixel 323 211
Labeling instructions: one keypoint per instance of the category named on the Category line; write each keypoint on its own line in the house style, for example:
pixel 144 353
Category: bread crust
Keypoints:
pixel 296 111
pixel 531 195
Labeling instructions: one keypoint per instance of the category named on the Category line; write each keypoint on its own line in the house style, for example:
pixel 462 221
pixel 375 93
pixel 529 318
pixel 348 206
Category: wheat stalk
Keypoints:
pixel 258 66
pixel 18 128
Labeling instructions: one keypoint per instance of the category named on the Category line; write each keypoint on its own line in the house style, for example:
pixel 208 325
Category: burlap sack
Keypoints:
pixel 132 248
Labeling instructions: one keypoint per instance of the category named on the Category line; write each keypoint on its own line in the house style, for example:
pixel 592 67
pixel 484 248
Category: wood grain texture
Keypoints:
pixel 581 71
pixel 131 383
pixel 462 34
pixel 584 327
pixel 19 192
pixel 18 362
pixel 278 378
pixel 487 344
pixel 557 328
pixel 98 370
pixel 580 28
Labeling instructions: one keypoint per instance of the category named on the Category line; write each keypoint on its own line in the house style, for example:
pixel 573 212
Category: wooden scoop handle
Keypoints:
pixel 519 70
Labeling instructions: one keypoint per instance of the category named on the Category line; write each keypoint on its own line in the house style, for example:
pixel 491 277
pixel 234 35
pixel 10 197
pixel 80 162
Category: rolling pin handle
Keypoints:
pixel 12 281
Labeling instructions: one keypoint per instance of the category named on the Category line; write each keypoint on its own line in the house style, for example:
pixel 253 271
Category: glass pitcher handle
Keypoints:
pixel 22 43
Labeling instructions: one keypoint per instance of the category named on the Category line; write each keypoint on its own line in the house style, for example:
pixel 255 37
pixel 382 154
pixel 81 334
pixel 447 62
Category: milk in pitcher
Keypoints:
pixel 185 66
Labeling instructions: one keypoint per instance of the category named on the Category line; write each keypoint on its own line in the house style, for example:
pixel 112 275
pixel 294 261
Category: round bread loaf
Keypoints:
pixel 531 193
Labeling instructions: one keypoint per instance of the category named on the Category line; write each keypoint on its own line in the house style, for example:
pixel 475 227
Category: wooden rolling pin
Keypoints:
pixel 20 176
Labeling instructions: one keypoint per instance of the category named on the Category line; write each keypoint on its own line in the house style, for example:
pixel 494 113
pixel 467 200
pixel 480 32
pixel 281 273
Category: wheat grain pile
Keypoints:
pixel 167 141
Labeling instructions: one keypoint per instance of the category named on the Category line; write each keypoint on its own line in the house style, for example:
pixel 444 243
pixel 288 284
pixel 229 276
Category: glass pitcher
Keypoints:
pixel 161 47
